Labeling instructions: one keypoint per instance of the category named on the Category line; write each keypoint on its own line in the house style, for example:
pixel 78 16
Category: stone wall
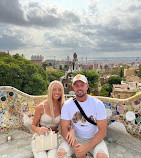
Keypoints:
pixel 17 109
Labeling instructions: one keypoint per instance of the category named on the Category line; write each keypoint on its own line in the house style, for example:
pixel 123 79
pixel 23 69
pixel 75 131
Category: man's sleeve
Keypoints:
pixel 64 113
pixel 101 111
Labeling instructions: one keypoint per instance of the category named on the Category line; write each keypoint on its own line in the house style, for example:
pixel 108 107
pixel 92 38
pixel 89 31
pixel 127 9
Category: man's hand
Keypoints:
pixel 80 150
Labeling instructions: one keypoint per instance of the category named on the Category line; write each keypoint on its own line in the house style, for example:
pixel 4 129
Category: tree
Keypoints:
pixel 32 70
pixel 60 67
pixel 114 80
pixel 10 75
pixel 16 56
pixel 3 54
pixel 115 71
pixel 106 90
pixel 55 75
pixel 106 67
pixel 121 73
pixel 4 73
pixel 22 74
pixel 36 85
pixel 44 65
pixel 139 73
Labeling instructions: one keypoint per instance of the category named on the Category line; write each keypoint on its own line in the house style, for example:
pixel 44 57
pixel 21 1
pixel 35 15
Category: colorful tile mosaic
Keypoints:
pixel 14 104
pixel 126 111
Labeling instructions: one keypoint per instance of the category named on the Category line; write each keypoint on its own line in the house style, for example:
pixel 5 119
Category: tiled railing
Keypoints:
pixel 16 104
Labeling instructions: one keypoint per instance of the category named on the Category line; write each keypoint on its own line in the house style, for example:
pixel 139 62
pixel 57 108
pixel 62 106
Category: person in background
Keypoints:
pixel 87 137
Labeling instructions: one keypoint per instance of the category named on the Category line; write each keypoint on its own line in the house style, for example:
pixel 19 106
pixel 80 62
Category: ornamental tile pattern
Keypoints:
pixel 14 104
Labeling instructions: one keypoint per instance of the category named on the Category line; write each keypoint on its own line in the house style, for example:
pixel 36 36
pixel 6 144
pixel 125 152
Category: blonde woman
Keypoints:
pixel 47 113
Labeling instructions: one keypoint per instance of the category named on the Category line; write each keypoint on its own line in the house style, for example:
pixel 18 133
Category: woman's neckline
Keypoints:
pixel 51 116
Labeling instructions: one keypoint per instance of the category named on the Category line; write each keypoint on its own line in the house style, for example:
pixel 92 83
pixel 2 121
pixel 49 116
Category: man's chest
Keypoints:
pixel 77 117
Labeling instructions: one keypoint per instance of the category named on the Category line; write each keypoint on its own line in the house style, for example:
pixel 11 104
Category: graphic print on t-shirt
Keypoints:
pixel 79 117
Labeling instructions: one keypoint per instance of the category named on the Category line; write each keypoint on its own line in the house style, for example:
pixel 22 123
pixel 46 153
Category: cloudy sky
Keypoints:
pixel 58 28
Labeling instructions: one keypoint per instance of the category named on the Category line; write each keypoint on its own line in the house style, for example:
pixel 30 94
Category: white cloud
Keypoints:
pixel 54 31
pixel 120 25
pixel 50 16
pixel 12 12
pixel 11 38
pixel 35 14
pixel 93 5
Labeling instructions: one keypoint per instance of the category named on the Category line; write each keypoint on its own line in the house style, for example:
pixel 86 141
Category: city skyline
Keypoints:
pixel 59 28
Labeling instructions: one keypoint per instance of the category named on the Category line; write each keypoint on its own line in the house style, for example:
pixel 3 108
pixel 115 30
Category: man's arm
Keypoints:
pixel 81 150
pixel 102 126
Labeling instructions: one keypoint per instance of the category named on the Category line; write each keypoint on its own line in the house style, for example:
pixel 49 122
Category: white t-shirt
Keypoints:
pixel 92 107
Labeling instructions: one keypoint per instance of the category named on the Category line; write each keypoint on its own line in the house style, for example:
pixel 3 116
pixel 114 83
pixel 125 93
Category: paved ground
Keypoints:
pixel 119 142
pixel 15 149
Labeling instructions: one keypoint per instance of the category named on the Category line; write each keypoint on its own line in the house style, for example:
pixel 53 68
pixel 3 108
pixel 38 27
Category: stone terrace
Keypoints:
pixel 16 113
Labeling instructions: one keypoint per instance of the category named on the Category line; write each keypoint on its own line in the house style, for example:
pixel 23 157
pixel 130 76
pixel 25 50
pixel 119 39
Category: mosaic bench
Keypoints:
pixel 17 109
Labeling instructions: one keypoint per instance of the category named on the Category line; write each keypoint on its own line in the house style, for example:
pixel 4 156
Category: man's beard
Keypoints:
pixel 80 95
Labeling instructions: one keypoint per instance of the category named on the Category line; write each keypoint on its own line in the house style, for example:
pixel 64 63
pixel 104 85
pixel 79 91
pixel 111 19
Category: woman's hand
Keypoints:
pixel 71 137
pixel 41 130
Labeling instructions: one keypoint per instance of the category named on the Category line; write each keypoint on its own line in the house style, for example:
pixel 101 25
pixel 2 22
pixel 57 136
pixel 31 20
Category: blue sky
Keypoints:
pixel 91 28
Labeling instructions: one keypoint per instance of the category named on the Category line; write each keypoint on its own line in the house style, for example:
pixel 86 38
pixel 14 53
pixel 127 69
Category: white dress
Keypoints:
pixel 45 121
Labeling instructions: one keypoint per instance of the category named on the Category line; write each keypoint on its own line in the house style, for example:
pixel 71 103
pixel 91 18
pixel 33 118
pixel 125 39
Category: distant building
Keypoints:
pixel 68 59
pixel 101 67
pixel 104 79
pixel 73 65
pixel 95 66
pixel 50 68
pixel 67 82
pixel 55 63
pixel 90 67
pixel 123 91
pixel 51 62
pixel 37 59
pixel 75 62
pixel 85 67
pixel 133 78
pixel 128 72
pixel 139 86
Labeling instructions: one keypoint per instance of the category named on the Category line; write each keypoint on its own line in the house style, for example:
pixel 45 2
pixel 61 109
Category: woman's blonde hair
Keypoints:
pixel 49 98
